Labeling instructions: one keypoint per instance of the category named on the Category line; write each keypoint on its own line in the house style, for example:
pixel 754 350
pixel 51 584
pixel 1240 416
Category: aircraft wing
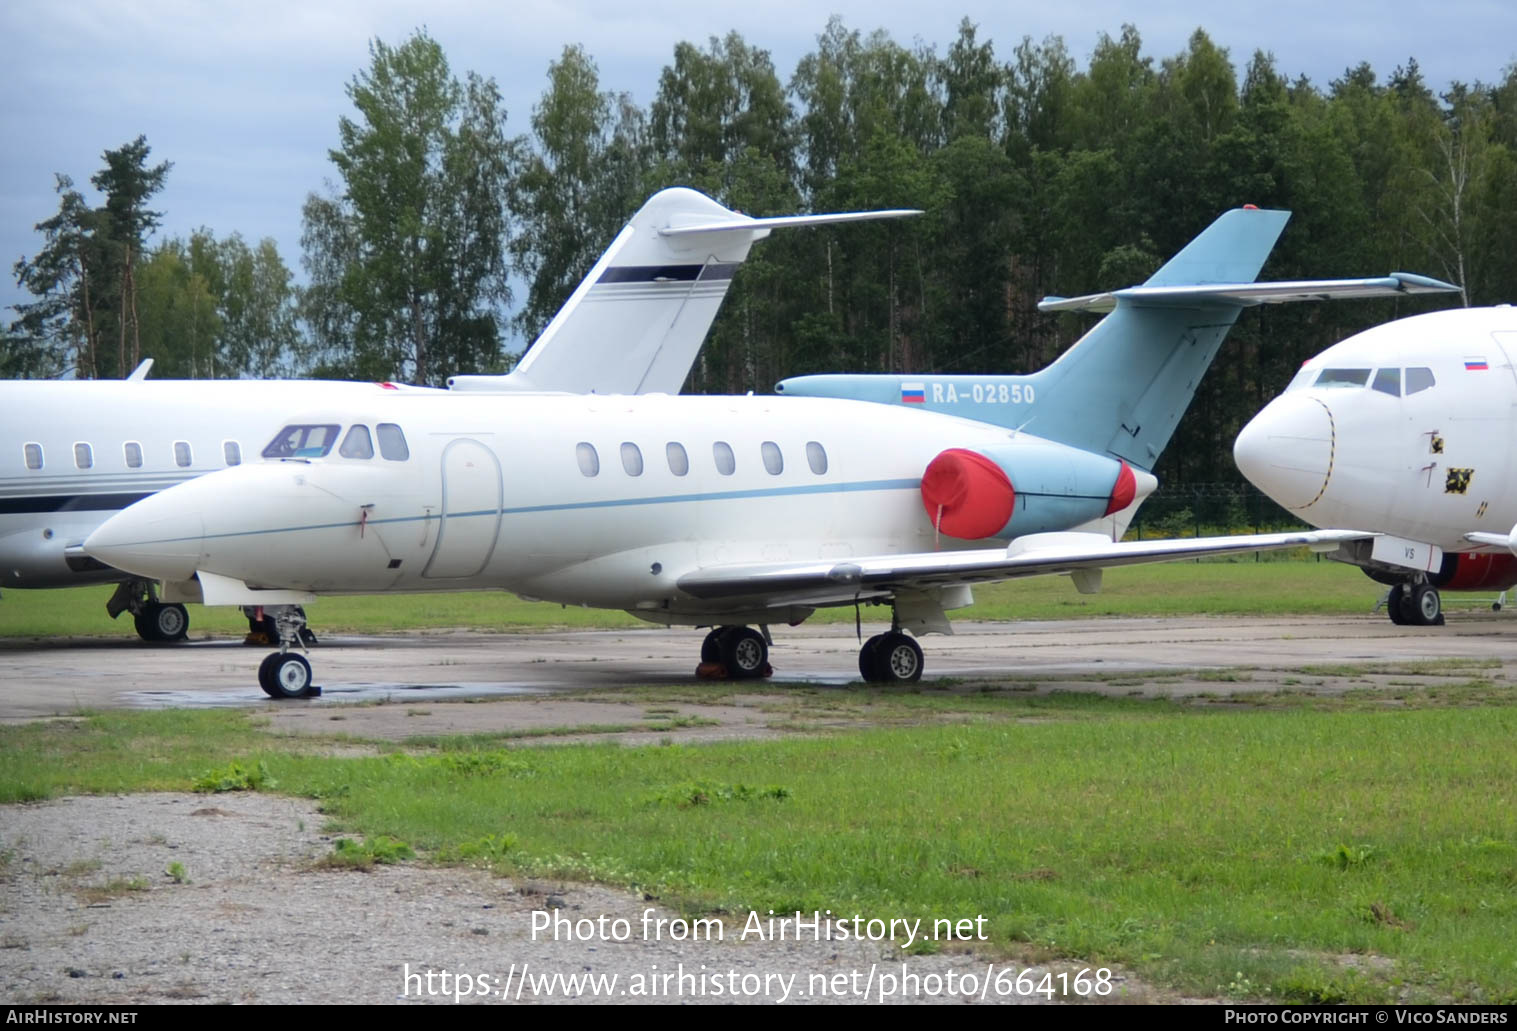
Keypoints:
pixel 846 580
pixel 1393 285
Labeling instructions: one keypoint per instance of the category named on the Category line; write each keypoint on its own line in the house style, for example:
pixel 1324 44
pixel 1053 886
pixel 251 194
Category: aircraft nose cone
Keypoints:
pixel 150 540
pixel 1287 450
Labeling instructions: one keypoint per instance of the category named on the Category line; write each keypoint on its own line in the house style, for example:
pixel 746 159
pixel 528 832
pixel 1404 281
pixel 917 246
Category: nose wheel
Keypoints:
pixel 285 673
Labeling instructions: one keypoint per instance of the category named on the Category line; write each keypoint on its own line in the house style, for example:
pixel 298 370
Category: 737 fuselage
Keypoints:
pixel 1408 429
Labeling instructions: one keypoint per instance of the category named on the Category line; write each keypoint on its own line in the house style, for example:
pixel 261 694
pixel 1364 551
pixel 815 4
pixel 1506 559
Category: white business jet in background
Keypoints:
pixel 731 511
pixel 1410 430
pixel 74 452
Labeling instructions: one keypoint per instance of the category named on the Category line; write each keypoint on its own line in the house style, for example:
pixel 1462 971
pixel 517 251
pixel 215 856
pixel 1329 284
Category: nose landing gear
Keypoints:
pixel 287 674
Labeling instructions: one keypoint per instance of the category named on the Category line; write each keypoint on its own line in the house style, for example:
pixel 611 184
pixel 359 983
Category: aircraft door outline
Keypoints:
pixel 473 494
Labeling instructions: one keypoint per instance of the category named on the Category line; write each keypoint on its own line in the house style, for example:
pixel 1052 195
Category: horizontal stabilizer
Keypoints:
pixel 788 221
pixel 1246 294
pixel 1399 284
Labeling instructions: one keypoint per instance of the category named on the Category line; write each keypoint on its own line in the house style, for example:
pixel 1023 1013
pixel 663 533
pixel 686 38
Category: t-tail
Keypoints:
pixel 1123 386
pixel 637 321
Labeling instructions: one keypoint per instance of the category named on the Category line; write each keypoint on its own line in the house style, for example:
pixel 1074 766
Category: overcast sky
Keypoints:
pixel 243 97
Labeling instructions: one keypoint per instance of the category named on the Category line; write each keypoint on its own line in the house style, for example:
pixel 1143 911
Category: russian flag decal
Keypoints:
pixel 1475 365
pixel 914 393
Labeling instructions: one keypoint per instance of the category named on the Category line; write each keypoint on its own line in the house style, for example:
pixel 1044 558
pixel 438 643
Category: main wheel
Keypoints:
pixel 160 622
pixel 1395 604
pixel 867 660
pixel 285 675
pixel 744 652
pixel 711 647
pixel 1425 605
pixel 898 659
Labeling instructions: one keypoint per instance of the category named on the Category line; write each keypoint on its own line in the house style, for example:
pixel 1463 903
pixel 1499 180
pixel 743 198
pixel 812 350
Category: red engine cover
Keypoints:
pixel 1491 571
pixel 966 495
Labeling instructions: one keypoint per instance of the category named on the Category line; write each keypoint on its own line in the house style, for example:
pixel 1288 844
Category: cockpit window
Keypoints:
pixel 1302 378
pixel 392 443
pixel 357 444
pixel 1388 381
pixel 1343 378
pixel 1419 379
pixel 303 440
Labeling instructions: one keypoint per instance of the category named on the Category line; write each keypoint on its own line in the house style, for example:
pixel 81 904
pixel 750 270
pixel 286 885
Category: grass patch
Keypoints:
pixel 348 854
pixel 1356 853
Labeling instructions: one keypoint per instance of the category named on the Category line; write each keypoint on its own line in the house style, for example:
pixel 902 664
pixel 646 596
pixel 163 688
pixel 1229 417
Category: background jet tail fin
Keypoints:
pixel 637 321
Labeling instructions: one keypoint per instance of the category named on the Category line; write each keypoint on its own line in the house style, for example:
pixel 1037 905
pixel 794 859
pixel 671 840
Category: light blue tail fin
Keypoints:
pixel 1123 386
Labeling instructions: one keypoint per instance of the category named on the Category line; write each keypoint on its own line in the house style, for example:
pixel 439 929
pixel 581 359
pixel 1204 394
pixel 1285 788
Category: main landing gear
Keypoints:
pixel 893 658
pixel 742 653
pixel 1414 604
pixel 287 674
pixel 155 621
pixel 735 653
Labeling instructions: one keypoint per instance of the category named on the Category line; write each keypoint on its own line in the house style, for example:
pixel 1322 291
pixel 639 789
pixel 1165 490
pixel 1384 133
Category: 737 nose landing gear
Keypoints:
pixel 287 674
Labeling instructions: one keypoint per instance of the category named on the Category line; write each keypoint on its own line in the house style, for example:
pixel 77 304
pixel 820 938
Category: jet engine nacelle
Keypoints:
pixel 1472 571
pixel 1032 486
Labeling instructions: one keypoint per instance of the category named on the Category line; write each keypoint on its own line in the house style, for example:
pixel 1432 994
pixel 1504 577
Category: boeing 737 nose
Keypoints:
pixel 1287 450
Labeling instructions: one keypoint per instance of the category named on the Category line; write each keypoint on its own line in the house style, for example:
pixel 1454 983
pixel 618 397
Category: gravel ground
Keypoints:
pixel 90 914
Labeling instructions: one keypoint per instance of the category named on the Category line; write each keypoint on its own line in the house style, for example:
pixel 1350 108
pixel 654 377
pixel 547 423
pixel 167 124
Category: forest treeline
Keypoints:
pixel 445 236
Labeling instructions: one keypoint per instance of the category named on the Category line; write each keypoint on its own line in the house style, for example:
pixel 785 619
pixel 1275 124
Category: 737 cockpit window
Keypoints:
pixel 1343 378
pixel 1388 381
pixel 1419 379
pixel 357 444
pixel 392 443
pixel 303 440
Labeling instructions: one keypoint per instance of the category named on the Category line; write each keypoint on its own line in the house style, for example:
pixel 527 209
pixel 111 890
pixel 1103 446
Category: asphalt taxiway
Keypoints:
pixel 43 678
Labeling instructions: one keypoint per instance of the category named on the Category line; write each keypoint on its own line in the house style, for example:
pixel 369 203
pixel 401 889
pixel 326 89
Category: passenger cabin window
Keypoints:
pixel 679 461
pixel 816 457
pixel 1388 381
pixel 232 452
pixel 1419 379
pixel 84 456
pixel 303 440
pixel 589 461
pixel 132 452
pixel 182 456
pixel 773 460
pixel 632 459
pixel 1343 378
pixel 33 454
pixel 392 443
pixel 726 464
pixel 358 443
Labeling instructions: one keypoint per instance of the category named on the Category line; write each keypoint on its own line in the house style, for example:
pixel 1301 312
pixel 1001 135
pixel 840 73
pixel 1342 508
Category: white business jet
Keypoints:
pixel 1408 429
pixel 74 452
pixel 730 511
